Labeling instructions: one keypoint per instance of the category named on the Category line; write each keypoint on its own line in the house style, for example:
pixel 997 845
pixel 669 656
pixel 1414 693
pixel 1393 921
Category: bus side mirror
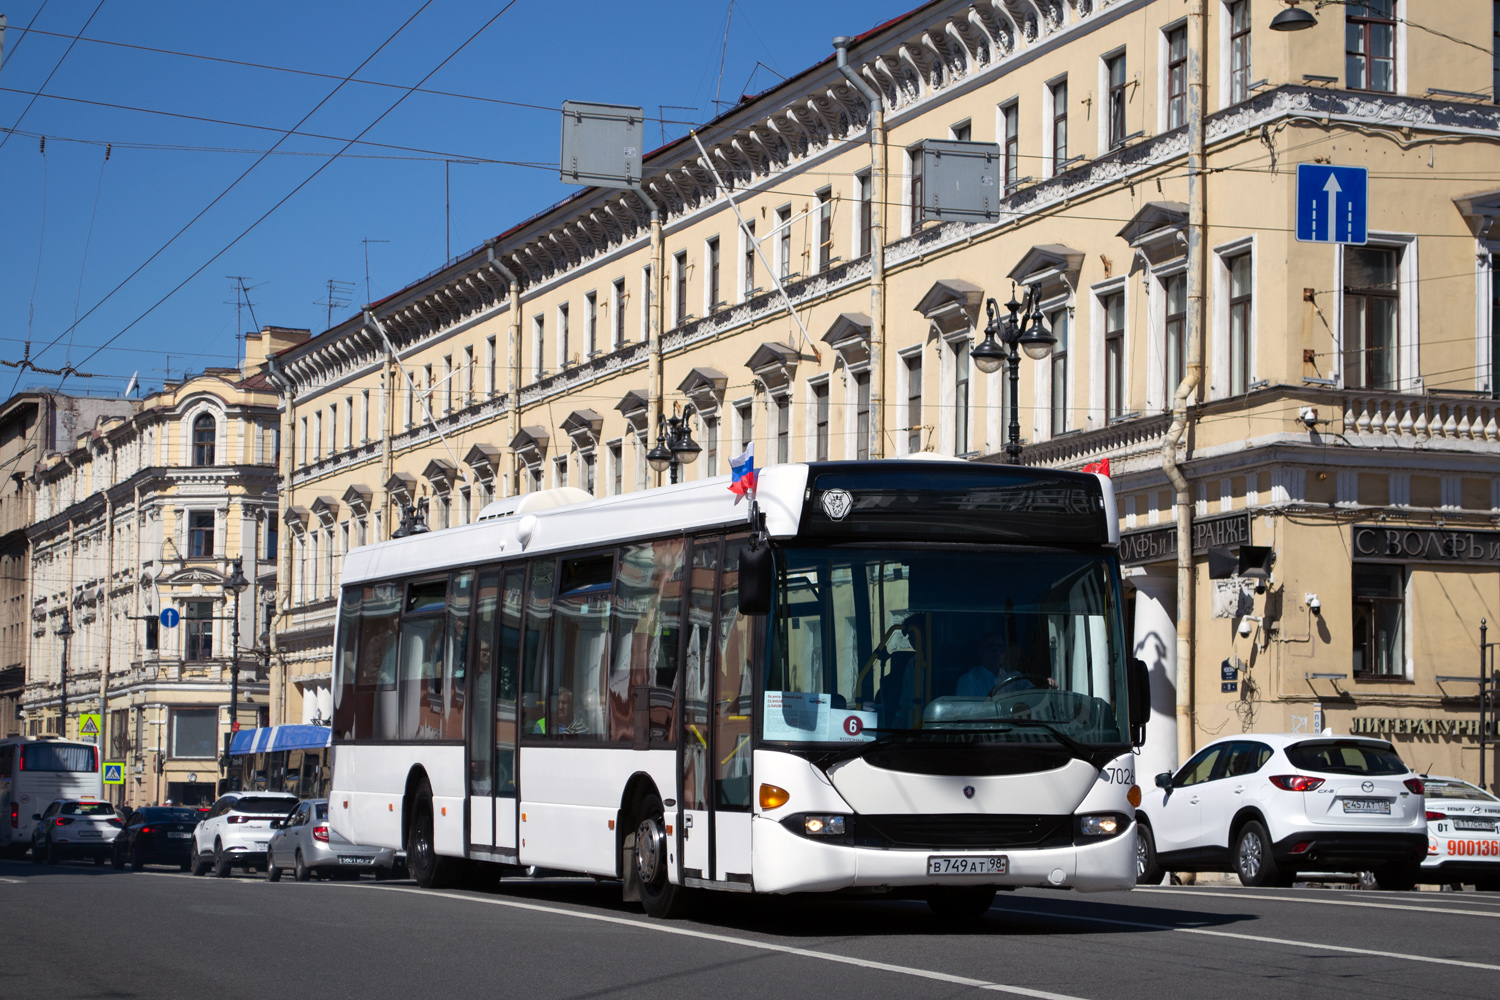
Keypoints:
pixel 1140 701
pixel 756 572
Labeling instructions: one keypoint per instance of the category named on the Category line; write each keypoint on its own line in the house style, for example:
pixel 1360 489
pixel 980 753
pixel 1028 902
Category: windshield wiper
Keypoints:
pixel 1080 750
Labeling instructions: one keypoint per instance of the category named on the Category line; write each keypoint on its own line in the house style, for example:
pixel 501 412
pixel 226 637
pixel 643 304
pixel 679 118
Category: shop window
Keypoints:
pixel 1379 621
pixel 195 733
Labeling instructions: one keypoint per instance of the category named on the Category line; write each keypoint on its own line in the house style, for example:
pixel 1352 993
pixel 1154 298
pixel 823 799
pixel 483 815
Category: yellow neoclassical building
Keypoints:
pixel 143 512
pixel 1336 460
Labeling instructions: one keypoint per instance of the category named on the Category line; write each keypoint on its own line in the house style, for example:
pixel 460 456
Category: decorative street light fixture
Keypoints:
pixel 413 519
pixel 234 584
pixel 675 446
pixel 1023 329
pixel 1294 18
pixel 64 632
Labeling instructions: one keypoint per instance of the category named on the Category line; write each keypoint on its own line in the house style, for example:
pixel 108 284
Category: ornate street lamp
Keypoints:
pixel 675 446
pixel 413 519
pixel 1024 330
pixel 235 584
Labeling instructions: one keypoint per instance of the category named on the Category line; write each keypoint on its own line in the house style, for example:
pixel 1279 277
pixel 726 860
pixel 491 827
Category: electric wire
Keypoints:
pixel 61 59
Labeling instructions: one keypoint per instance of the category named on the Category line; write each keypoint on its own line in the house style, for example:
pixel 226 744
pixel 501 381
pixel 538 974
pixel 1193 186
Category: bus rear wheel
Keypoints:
pixel 644 861
pixel 428 869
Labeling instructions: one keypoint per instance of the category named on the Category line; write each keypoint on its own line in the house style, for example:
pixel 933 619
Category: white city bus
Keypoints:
pixel 913 680
pixel 33 773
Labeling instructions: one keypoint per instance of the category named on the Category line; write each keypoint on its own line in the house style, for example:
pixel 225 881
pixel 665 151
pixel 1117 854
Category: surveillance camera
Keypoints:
pixel 1245 627
pixel 1313 604
pixel 1309 416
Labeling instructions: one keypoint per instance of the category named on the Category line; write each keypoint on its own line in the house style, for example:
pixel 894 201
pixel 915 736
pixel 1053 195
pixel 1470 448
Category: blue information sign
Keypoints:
pixel 170 617
pixel 1332 203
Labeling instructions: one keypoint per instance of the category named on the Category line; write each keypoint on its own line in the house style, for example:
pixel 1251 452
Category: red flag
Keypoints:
pixel 1101 467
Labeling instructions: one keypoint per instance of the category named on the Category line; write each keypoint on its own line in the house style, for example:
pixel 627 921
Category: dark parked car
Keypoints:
pixel 156 835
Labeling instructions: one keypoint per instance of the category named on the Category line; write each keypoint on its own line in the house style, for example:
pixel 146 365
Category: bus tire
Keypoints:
pixel 644 862
pixel 961 904
pixel 428 869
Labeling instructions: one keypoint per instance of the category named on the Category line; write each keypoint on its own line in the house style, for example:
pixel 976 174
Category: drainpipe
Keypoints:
pixel 877 243
pixel 657 293
pixel 1192 376
pixel 513 286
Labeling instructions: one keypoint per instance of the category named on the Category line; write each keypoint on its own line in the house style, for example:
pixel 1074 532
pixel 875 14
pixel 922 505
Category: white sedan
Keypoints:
pixel 1463 844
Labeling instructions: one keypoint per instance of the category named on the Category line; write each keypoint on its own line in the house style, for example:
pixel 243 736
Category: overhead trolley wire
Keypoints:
pixel 324 166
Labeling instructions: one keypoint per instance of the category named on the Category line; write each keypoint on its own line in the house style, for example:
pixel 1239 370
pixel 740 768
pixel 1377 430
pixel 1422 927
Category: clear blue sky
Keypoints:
pixel 183 129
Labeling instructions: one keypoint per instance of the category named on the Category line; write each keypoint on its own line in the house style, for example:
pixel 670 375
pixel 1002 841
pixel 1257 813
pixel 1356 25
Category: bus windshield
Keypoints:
pixel 1006 645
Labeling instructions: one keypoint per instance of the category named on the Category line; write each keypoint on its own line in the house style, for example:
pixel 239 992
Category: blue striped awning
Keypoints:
pixel 280 738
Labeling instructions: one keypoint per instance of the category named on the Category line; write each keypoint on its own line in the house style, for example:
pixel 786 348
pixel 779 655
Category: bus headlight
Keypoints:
pixel 1104 825
pixel 824 826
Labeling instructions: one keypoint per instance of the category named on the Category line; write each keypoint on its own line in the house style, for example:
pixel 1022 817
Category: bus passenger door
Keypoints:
pixel 507 719
pixel 732 722
pixel 481 720
pixel 696 782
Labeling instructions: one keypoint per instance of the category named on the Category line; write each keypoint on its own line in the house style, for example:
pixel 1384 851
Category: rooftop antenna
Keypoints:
pixel 242 302
pixel 367 241
pixel 661 116
pixel 338 297
pixel 723 51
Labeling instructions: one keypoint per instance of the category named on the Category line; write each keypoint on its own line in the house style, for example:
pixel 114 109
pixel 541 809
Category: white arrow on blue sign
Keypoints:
pixel 170 617
pixel 1332 203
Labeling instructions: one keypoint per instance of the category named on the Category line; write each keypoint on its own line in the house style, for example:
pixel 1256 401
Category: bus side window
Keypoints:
pixel 455 663
pixel 648 614
pixel 344 660
pixel 7 762
pixel 374 714
pixel 534 653
pixel 580 646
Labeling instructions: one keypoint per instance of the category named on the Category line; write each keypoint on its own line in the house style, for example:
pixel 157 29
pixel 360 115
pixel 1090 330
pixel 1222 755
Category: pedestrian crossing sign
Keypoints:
pixel 89 725
pixel 114 772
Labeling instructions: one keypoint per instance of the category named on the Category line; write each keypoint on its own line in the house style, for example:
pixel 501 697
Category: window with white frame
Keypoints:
pixel 590 483
pixel 591 323
pixel 560 471
pixel 912 368
pixel 744 413
pixel 747 259
pixel 784 242
pixel 617 312
pixel 862 415
pixel 1116 86
pixel 679 287
pixel 1370 45
pixel 711 298
pixel 1371 303
pixel 961 404
pixel 491 384
pixel 1112 307
pixel 648 289
pixel 1010 142
pixel 710 434
pixel 825 229
pixel 538 346
pixel 1175 80
pixel 783 407
pixel 616 467
pixel 961 132
pixel 1057 125
pixel 564 358
pixel 1237 18
pixel 820 406
pixel 1174 330
pixel 1061 329
pixel 865 192
pixel 914 188
pixel 1240 301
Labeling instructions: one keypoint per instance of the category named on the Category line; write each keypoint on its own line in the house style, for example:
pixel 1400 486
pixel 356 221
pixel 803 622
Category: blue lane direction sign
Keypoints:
pixel 170 617
pixel 1332 203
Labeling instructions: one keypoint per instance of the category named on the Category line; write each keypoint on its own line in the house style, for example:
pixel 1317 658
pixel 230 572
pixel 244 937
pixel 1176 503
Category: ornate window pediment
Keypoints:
pixel 1481 210
pixel 583 427
pixel 849 336
pixel 206 577
pixel 530 444
pixel 635 406
pixel 1052 267
pixel 951 306
pixel 1157 232
pixel 775 364
pixel 297 518
pixel 484 459
pixel 326 509
pixel 358 498
pixel 402 486
pixel 441 473
pixel 705 388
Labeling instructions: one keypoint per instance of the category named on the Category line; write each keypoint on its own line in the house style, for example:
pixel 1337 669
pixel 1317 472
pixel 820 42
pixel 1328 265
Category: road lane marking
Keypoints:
pixel 1260 939
pixel 823 956
pixel 1318 902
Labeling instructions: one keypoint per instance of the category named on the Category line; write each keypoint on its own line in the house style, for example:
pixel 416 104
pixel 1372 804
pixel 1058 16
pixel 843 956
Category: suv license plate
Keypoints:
pixel 994 864
pixel 355 859
pixel 1382 806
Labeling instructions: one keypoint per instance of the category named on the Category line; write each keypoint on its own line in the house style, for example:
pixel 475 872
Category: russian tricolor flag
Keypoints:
pixel 742 472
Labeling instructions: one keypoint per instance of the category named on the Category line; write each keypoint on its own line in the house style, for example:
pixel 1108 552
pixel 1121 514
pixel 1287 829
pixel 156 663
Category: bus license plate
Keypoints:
pixel 1382 806
pixel 994 864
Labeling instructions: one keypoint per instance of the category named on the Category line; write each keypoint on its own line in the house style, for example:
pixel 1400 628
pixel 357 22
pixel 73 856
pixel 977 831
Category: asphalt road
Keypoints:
pixel 75 930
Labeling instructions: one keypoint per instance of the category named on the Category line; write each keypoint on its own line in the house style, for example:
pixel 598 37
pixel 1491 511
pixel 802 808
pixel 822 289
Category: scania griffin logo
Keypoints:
pixel 968 791
pixel 836 504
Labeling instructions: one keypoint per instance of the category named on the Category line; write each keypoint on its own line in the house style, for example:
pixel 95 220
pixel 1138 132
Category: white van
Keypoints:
pixel 34 773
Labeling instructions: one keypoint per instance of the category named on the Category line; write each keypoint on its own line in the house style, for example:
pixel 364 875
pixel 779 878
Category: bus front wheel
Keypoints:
pixel 645 863
pixel 427 868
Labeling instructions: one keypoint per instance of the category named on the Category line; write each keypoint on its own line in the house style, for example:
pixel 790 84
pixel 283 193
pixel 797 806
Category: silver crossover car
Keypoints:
pixel 305 843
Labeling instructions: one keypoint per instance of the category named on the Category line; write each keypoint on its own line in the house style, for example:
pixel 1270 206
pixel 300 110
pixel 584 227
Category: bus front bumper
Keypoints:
pixel 786 862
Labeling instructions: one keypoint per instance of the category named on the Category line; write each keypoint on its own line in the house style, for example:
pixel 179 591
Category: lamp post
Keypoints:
pixel 235 583
pixel 64 632
pixel 675 446
pixel 1025 329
